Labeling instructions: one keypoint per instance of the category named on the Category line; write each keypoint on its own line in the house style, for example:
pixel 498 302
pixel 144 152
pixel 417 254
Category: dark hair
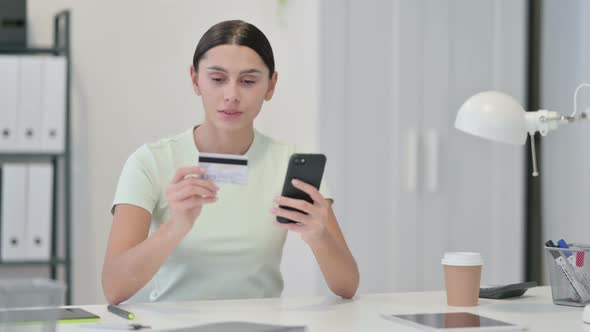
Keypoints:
pixel 235 32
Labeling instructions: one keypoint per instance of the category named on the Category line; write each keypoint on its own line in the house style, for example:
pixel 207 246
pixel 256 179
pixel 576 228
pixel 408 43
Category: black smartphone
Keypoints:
pixel 308 168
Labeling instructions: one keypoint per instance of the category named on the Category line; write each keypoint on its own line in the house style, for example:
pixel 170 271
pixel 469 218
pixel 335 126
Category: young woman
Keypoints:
pixel 177 236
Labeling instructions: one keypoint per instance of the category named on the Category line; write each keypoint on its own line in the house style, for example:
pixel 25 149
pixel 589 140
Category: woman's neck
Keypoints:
pixel 211 140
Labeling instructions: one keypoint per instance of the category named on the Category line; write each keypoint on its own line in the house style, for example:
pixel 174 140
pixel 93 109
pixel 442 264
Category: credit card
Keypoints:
pixel 225 168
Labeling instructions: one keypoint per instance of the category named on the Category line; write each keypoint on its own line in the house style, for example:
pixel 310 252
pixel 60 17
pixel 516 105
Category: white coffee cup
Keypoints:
pixel 462 278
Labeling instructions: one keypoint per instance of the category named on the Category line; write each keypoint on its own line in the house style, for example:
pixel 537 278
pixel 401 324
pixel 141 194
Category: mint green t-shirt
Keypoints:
pixel 233 250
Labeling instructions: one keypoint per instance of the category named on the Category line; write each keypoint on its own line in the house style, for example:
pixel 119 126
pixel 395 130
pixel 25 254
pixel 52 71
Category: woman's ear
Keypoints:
pixel 194 80
pixel 271 86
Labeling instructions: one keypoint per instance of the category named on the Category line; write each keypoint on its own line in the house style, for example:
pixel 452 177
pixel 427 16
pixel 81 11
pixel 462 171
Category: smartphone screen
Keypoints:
pixel 308 168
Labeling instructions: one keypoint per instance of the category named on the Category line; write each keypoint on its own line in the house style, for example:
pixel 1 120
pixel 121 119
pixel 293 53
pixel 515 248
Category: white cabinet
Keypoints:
pixel 408 186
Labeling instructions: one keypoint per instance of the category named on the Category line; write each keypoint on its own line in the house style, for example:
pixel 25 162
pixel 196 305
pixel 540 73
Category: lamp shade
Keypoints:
pixel 495 116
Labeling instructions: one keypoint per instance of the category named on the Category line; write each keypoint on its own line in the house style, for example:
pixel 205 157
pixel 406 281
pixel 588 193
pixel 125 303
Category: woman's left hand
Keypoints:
pixel 311 224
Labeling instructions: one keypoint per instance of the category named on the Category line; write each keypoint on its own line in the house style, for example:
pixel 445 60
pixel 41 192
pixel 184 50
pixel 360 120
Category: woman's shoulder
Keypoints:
pixel 170 142
pixel 150 151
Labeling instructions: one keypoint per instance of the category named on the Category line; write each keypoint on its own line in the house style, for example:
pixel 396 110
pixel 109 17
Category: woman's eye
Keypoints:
pixel 248 82
pixel 217 79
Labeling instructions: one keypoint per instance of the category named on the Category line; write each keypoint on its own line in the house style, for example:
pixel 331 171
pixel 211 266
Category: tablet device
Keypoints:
pixel 453 321
pixel 40 315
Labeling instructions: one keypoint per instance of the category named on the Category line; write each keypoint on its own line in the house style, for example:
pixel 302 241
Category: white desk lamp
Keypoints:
pixel 499 117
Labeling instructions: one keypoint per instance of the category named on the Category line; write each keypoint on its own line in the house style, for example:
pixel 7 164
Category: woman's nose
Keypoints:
pixel 231 94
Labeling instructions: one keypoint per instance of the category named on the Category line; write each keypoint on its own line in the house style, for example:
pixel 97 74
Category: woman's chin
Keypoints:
pixel 231 125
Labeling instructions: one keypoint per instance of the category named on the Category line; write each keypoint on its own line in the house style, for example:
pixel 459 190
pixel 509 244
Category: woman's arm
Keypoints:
pixel 320 230
pixel 133 258
pixel 335 259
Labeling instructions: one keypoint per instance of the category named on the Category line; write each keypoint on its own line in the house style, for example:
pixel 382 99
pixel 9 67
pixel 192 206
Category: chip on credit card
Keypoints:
pixel 225 168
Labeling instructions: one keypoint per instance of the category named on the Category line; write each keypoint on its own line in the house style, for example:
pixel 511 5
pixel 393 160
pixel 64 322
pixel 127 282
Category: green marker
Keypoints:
pixel 120 312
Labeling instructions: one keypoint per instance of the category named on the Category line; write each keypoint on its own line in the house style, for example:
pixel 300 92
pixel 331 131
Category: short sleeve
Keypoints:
pixel 138 183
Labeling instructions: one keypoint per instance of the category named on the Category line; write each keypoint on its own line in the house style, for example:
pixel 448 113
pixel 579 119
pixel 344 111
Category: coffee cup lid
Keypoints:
pixel 462 259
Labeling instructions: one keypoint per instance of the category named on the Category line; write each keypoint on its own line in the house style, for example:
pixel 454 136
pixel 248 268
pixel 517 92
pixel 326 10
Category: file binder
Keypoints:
pixel 39 211
pixel 14 197
pixel 53 104
pixel 9 75
pixel 29 103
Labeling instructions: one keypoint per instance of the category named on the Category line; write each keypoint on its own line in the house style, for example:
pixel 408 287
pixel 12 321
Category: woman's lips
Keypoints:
pixel 230 114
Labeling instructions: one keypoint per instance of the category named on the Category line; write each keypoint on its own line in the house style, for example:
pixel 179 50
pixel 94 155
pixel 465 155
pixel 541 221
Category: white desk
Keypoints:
pixel 534 310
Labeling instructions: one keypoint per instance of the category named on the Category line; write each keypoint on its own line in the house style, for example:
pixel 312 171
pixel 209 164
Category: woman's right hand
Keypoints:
pixel 187 193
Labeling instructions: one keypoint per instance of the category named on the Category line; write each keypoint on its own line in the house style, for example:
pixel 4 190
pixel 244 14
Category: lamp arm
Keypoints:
pixel 543 121
pixel 584 114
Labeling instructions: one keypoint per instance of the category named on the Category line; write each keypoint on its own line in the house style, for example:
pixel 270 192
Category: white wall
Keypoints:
pixel 565 167
pixel 130 85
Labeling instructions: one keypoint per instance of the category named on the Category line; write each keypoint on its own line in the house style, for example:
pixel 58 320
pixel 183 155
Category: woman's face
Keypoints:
pixel 233 82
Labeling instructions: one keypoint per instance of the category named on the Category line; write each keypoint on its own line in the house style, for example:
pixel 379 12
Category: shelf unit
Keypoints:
pixel 62 162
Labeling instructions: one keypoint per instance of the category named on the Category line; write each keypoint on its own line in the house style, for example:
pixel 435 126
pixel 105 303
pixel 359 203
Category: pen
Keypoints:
pixel 577 261
pixel 120 312
pixel 569 255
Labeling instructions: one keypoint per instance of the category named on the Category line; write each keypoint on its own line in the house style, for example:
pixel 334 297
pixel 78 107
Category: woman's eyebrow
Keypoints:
pixel 217 68
pixel 250 71
pixel 247 71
